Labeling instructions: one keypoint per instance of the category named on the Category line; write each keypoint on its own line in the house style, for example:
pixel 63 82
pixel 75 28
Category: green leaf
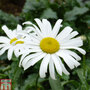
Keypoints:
pixel 29 82
pixel 86 19
pixel 15 74
pixel 8 19
pixel 65 77
pixel 49 14
pixel 55 84
pixel 80 73
pixel 71 82
pixel 87 4
pixel 80 3
pixel 33 5
pixel 2 76
pixel 4 56
pixel 72 15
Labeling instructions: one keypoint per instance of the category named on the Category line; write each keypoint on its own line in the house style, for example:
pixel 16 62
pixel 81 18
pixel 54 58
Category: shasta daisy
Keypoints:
pixel 15 41
pixel 51 47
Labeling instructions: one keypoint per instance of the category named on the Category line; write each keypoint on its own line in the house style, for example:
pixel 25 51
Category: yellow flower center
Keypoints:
pixel 16 42
pixel 49 45
pixel 19 42
pixel 13 40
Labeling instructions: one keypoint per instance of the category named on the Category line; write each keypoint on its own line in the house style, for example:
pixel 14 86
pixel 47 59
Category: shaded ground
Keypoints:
pixel 12 6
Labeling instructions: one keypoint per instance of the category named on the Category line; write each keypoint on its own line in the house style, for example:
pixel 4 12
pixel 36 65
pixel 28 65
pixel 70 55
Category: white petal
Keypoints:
pixel 66 59
pixel 4 39
pixel 2 45
pixel 77 57
pixel 36 29
pixel 64 33
pixel 41 25
pixel 36 37
pixel 33 61
pixel 70 61
pixel 47 27
pixel 31 43
pixel 34 46
pixel 29 29
pixel 56 28
pixel 73 34
pixel 73 42
pixel 63 67
pixel 51 69
pixel 10 53
pixel 31 56
pixel 79 49
pixel 8 32
pixel 35 50
pixel 76 63
pixel 22 58
pixel 44 66
pixel 16 52
pixel 19 27
pixel 4 49
pixel 57 64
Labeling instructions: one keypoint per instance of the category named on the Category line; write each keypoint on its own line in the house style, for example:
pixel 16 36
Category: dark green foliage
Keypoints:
pixel 76 14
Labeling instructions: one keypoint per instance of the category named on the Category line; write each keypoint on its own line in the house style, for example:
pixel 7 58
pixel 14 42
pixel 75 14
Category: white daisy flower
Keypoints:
pixel 15 41
pixel 52 46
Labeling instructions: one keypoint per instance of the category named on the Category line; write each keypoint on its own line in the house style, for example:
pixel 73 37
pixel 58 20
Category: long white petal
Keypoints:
pixel 57 64
pixel 79 49
pixel 35 39
pixel 47 27
pixel 29 29
pixel 35 50
pixel 63 67
pixel 36 29
pixel 56 28
pixel 41 26
pixel 77 57
pixel 73 34
pixel 2 45
pixel 10 53
pixel 16 51
pixel 22 58
pixel 34 36
pixel 71 62
pixel 31 56
pixel 31 42
pixel 4 49
pixel 52 69
pixel 33 61
pixel 4 39
pixel 66 59
pixel 71 59
pixel 44 66
pixel 76 63
pixel 19 27
pixel 73 42
pixel 8 32
pixel 70 36
pixel 64 33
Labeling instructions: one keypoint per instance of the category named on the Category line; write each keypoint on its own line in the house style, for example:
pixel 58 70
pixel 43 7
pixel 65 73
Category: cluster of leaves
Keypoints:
pixel 76 14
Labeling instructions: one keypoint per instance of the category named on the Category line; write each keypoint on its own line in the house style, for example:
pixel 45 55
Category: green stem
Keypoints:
pixel 84 66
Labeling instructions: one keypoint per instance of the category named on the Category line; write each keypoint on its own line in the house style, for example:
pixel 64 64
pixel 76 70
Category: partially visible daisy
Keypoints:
pixel 15 41
pixel 53 48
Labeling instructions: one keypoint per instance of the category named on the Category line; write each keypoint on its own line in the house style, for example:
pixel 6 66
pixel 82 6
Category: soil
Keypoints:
pixel 12 6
